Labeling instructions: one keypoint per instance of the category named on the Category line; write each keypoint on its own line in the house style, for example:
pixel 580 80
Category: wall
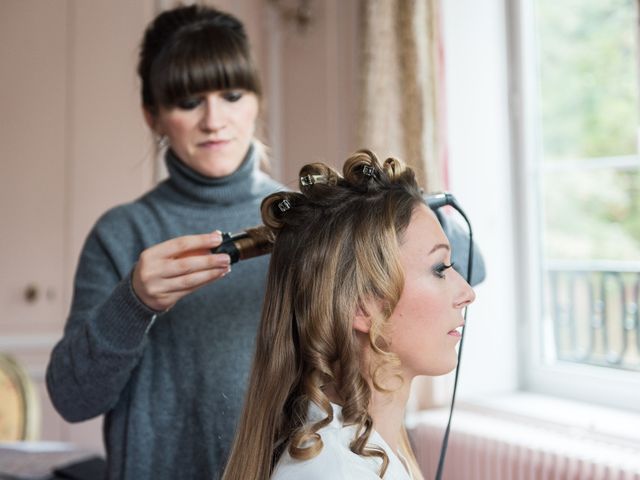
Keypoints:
pixel 74 144
pixel 77 144
pixel 481 178
pixel 313 87
pixel 105 156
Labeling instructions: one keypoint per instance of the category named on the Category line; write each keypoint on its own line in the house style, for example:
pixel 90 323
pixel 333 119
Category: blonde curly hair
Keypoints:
pixel 336 244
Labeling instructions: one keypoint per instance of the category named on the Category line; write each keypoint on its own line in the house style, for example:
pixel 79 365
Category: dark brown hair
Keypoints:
pixel 192 49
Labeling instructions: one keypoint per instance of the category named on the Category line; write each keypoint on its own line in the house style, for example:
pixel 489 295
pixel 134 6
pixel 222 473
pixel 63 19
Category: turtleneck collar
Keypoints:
pixel 221 190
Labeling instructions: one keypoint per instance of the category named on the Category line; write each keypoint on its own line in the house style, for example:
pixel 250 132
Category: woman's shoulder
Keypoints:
pixel 118 219
pixel 128 226
pixel 335 461
pixel 130 212
pixel 266 185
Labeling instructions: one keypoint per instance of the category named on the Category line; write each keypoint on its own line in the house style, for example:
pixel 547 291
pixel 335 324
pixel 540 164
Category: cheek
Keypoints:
pixel 415 318
pixel 419 336
pixel 246 117
pixel 419 301
pixel 177 127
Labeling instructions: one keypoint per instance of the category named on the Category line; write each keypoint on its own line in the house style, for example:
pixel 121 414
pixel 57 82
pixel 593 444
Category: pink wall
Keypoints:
pixel 79 142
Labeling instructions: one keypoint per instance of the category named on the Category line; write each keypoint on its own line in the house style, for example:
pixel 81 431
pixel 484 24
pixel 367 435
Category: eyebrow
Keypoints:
pixel 438 246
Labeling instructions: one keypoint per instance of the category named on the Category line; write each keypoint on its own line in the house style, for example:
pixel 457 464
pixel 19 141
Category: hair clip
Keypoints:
pixel 309 180
pixel 368 171
pixel 284 205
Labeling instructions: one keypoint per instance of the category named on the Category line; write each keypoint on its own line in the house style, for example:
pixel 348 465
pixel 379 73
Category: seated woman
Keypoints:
pixel 360 299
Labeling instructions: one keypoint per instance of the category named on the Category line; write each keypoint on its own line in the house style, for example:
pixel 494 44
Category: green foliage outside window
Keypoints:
pixel 588 78
pixel 588 68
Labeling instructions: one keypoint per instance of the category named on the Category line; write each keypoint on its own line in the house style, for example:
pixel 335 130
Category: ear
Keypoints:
pixel 362 319
pixel 151 120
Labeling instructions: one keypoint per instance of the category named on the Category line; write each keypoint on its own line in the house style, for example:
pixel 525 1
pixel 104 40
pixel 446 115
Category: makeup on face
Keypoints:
pixel 427 319
pixel 211 132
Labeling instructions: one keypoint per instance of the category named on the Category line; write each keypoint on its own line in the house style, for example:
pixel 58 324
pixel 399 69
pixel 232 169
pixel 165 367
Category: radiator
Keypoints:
pixel 488 446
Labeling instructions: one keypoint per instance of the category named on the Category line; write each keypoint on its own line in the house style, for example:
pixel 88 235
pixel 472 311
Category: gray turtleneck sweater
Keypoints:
pixel 171 388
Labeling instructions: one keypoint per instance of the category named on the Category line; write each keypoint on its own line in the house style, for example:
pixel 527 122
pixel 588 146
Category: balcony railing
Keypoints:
pixel 593 312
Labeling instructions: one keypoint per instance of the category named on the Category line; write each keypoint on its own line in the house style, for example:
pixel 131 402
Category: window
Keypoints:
pixel 580 183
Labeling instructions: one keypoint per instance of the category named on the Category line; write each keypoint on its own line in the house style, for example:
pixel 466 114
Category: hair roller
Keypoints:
pixel 274 209
pixel 361 167
pixel 316 179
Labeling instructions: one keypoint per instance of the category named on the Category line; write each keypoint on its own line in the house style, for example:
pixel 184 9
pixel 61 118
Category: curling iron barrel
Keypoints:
pixel 250 243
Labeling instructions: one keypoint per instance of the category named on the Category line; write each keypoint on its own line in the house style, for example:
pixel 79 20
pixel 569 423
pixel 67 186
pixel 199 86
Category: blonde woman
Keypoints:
pixel 361 298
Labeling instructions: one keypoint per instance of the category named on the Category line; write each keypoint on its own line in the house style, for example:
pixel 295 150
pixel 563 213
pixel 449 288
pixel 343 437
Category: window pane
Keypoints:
pixel 592 266
pixel 589 187
pixel 592 215
pixel 588 78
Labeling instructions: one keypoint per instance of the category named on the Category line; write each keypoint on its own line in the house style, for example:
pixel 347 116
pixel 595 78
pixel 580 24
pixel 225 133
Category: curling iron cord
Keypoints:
pixel 436 201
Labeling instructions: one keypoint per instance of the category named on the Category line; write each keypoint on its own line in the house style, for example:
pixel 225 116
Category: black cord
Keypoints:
pixel 445 440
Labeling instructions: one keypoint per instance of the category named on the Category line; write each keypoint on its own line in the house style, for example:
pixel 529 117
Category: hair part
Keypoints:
pixel 193 49
pixel 336 245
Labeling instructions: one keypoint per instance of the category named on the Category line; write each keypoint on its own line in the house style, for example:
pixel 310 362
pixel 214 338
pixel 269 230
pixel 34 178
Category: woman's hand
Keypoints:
pixel 170 270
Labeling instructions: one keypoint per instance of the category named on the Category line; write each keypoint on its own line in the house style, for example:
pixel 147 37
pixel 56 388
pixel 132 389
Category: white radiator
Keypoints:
pixel 487 445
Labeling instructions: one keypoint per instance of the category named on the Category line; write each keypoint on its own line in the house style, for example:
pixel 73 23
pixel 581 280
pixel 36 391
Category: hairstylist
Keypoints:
pixel 160 334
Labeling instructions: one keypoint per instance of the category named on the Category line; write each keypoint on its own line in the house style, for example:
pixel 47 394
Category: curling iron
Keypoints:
pixel 257 241
pixel 252 242
pixel 437 200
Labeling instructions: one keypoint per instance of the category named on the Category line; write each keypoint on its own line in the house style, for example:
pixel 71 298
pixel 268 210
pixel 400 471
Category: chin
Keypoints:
pixel 442 367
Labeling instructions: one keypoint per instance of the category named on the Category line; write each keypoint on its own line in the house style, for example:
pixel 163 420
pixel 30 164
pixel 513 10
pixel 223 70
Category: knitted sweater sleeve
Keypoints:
pixel 104 335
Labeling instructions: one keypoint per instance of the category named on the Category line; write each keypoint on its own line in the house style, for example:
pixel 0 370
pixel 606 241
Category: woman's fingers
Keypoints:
pixel 177 247
pixel 170 298
pixel 192 281
pixel 194 263
pixel 170 270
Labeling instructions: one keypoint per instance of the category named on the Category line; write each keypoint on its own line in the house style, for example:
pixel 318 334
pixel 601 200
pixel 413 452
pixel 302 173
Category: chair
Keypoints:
pixel 19 404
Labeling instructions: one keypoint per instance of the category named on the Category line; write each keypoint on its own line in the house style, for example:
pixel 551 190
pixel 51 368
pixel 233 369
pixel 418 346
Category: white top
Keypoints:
pixel 335 461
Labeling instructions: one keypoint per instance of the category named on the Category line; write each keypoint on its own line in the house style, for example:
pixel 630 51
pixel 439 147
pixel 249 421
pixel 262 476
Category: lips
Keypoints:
pixel 456 332
pixel 214 143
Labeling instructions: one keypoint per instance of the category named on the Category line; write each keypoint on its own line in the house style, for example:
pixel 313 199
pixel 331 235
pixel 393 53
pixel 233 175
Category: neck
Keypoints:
pixel 387 410
pixel 236 187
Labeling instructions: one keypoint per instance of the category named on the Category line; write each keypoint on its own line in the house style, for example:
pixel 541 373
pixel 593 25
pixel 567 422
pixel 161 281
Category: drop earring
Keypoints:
pixel 162 141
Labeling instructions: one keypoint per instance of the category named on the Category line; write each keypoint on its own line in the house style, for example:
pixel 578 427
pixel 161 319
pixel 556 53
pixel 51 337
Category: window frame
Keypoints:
pixel 595 384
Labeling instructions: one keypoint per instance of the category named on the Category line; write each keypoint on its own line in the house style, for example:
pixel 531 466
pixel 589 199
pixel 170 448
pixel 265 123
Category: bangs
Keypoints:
pixel 202 61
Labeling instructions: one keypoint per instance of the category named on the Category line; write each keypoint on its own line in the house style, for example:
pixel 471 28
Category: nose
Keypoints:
pixel 465 294
pixel 213 114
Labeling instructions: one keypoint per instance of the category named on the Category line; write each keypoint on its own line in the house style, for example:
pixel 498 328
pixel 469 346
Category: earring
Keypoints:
pixel 162 141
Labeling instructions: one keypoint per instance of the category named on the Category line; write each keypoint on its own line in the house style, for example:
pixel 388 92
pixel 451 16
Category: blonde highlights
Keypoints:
pixel 336 245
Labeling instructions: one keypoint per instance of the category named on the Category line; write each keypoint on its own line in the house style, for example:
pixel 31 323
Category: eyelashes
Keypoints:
pixel 232 95
pixel 440 268
pixel 191 103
